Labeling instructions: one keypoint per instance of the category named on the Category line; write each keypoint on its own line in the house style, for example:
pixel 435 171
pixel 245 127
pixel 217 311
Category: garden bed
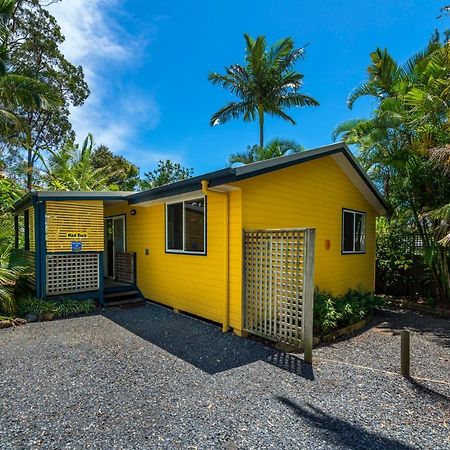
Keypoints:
pixel 349 329
pixel 32 309
pixel 338 316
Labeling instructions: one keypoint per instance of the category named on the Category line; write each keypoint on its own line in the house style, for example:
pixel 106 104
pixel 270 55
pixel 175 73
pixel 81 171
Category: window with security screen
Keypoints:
pixel 353 231
pixel 186 227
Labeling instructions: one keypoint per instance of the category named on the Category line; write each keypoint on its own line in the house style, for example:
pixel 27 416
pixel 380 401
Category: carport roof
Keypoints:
pixel 33 196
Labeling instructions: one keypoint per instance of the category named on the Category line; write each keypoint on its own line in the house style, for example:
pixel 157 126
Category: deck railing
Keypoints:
pixel 70 273
pixel 125 267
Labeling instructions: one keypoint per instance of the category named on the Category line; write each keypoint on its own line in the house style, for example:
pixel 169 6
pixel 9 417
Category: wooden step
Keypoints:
pixel 121 294
pixel 127 303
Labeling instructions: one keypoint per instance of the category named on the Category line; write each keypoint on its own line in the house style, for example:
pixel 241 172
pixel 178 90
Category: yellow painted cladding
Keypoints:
pixel 81 218
pixel 192 283
pixel 31 233
pixel 311 194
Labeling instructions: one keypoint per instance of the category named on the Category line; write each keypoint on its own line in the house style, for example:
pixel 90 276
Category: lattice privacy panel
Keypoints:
pixel 273 283
pixel 125 270
pixel 64 219
pixel 68 274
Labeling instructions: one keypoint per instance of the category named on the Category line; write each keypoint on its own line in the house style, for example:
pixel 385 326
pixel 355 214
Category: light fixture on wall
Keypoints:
pixel 133 212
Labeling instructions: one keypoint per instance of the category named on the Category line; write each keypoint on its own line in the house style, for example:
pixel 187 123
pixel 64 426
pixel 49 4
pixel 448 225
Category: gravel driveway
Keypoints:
pixel 149 378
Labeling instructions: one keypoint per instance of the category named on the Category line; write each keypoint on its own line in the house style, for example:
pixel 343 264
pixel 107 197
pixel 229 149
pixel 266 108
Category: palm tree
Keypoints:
pixel 17 87
pixel 411 116
pixel 275 148
pixel 441 157
pixel 267 84
pixel 73 169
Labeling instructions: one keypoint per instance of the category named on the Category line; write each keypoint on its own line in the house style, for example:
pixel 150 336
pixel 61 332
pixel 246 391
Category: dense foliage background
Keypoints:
pixel 404 144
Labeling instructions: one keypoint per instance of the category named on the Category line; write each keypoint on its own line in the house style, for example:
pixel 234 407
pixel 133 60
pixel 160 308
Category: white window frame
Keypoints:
pixel 185 252
pixel 354 252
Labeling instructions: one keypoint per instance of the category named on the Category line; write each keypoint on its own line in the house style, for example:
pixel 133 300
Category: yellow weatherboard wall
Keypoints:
pixel 31 229
pixel 74 221
pixel 192 283
pixel 312 195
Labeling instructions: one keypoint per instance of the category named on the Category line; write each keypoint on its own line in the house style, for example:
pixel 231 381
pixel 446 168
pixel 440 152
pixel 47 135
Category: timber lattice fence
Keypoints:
pixel 279 284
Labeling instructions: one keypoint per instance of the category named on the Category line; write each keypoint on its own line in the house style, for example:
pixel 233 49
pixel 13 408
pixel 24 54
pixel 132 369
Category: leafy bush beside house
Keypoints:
pixel 401 267
pixel 60 308
pixel 331 313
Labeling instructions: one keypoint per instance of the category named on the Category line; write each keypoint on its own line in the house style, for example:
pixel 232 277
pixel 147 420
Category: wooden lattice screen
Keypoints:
pixel 125 267
pixel 74 221
pixel 70 273
pixel 278 284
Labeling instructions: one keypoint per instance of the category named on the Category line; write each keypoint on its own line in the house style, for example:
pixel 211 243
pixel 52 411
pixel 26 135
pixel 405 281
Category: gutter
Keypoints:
pixel 226 240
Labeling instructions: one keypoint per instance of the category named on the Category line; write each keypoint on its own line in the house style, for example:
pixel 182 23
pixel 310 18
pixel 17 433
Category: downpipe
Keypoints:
pixel 226 240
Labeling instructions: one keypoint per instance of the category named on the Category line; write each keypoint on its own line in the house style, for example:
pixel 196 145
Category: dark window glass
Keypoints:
pixel 175 226
pixel 359 232
pixel 348 231
pixel 194 217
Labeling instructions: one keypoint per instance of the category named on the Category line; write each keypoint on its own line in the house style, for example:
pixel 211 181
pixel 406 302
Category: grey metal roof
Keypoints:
pixel 233 174
pixel 216 178
pixel 33 196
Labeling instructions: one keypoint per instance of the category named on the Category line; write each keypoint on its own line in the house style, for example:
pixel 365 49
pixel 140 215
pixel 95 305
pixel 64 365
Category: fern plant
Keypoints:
pixel 8 278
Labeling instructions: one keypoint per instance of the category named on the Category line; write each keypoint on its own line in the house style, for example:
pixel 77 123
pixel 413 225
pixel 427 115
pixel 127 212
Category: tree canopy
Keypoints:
pixel 122 173
pixel 275 148
pixel 166 172
pixel 404 143
pixel 33 43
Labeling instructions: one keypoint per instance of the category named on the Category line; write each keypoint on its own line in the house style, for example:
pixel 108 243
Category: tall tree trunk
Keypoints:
pixel 261 125
pixel 29 169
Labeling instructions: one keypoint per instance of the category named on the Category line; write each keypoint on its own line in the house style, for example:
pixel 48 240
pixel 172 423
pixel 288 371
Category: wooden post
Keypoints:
pixel 308 294
pixel 405 353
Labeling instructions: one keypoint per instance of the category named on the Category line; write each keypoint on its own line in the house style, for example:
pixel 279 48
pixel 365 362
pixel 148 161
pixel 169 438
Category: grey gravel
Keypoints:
pixel 148 378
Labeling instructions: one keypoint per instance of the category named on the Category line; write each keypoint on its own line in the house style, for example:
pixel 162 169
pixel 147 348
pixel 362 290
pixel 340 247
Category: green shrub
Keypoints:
pixel 60 308
pixel 31 305
pixel 70 307
pixel 331 313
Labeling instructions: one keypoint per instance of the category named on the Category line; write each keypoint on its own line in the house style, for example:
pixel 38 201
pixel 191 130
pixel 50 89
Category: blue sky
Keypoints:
pixel 147 64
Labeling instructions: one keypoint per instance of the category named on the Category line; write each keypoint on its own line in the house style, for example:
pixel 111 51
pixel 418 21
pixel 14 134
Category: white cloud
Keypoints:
pixel 115 109
pixel 88 30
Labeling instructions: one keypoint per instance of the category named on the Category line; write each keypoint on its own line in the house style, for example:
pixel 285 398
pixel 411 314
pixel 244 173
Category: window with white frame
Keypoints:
pixel 353 231
pixel 185 226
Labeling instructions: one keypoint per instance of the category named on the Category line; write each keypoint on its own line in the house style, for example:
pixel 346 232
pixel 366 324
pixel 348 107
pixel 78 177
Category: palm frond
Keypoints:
pixel 18 90
pixel 361 91
pixel 296 99
pixel 234 110
pixel 346 129
pixel 441 157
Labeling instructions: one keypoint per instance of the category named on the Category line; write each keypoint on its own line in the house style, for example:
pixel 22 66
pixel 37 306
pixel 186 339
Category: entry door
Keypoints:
pixel 114 242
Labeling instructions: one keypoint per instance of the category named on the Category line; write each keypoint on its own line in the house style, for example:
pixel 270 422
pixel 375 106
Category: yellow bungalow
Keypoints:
pixel 208 244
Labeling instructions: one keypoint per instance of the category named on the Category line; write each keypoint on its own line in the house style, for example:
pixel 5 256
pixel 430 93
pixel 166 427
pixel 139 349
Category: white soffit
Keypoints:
pixel 171 199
